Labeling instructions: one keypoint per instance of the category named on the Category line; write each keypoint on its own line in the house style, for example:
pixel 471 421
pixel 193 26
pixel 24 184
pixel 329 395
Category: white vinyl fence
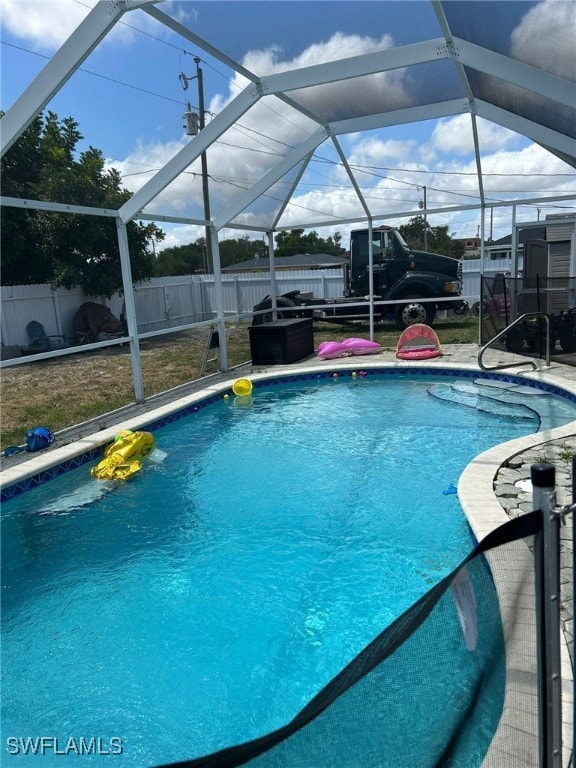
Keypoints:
pixel 168 302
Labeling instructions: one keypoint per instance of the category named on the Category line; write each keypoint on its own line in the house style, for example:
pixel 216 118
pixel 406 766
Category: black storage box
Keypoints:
pixel 283 341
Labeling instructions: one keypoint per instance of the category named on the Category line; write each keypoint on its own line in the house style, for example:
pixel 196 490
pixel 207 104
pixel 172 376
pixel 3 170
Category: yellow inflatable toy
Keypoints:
pixel 123 458
pixel 242 387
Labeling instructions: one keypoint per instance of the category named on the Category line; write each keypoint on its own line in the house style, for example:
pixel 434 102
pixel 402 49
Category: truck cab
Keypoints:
pixel 389 251
pixel 402 273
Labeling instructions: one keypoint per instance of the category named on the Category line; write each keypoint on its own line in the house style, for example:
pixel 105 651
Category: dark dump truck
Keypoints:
pixel 401 275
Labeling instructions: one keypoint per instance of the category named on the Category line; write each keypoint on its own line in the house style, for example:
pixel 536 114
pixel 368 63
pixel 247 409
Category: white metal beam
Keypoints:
pixel 462 74
pixel 449 38
pixel 292 189
pixel 42 205
pixel 219 298
pixel 184 32
pixel 477 156
pixel 171 219
pixel 512 71
pixel 182 159
pixel 401 116
pixel 546 137
pixel 62 66
pixel 130 303
pixel 276 173
pixel 346 164
pixel 448 209
pixel 356 66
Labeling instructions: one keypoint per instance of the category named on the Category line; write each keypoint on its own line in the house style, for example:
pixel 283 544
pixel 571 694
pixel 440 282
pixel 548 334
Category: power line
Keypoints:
pixel 98 74
pixel 368 169
pixel 264 139
pixel 465 173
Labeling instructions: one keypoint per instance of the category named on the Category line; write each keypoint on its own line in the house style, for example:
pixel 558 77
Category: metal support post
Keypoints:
pixel 371 277
pixel 547 564
pixel 273 288
pixel 219 301
pixel 573 570
pixel 128 286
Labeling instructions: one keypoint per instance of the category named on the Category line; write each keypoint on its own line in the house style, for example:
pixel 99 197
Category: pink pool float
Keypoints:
pixel 361 346
pixel 330 350
pixel 418 342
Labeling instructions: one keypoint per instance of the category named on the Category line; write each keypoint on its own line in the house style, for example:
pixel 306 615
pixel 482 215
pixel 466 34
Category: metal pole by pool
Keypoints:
pixel 547 565
pixel 573 569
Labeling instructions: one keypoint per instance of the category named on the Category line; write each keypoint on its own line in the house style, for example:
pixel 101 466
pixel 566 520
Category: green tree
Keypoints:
pixel 439 239
pixel 190 259
pixel 66 250
pixel 182 259
pixel 295 241
pixel 234 251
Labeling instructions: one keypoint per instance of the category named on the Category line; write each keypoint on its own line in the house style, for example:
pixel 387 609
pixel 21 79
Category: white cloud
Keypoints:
pixel 546 38
pixel 44 24
pixel 338 47
pixel 375 151
pixel 339 100
pixel 47 24
pixel 454 135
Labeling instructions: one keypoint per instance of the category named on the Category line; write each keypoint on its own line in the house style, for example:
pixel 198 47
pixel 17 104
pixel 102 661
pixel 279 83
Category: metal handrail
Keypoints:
pixel 504 332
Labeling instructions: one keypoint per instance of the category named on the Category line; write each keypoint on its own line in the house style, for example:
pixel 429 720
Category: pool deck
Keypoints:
pixel 487 491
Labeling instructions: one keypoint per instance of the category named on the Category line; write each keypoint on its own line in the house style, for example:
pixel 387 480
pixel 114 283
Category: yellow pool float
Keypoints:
pixel 242 387
pixel 123 458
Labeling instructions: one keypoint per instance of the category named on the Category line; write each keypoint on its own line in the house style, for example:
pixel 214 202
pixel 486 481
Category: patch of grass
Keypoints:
pixel 566 453
pixel 64 391
pixel 450 331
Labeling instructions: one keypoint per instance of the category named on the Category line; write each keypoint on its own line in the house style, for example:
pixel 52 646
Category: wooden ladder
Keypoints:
pixel 212 344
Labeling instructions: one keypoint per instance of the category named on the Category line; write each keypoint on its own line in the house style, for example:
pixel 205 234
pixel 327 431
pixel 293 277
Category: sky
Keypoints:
pixel 128 99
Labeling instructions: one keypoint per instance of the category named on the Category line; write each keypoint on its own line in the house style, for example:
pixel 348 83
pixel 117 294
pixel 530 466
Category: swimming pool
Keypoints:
pixel 274 540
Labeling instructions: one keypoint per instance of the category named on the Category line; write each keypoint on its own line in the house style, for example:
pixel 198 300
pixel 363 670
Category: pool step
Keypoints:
pixel 473 396
pixel 553 412
pixel 509 394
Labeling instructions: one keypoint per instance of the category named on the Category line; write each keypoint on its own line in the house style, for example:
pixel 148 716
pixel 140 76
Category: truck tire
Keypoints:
pixel 268 317
pixel 413 311
pixel 475 309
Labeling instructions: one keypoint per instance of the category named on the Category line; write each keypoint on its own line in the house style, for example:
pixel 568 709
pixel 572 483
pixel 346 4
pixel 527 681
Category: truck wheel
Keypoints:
pixel 268 317
pixel 414 311
pixel 475 309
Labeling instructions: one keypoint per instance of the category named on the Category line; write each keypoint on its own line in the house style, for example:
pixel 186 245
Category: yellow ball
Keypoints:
pixel 226 397
pixel 354 374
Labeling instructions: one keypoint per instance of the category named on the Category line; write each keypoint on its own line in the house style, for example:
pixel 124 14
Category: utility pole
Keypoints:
pixel 205 191
pixel 423 205
pixel 193 124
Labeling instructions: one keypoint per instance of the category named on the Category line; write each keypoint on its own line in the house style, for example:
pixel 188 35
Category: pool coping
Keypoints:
pixel 476 495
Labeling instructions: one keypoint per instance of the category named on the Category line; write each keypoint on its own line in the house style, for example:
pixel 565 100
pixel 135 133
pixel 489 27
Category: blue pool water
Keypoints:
pixel 205 601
